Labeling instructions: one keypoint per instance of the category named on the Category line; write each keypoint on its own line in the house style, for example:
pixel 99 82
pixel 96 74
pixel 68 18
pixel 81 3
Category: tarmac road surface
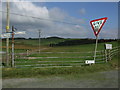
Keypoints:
pixel 106 79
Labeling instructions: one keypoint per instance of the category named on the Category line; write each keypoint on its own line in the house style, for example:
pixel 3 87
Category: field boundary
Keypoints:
pixel 103 56
pixel 25 61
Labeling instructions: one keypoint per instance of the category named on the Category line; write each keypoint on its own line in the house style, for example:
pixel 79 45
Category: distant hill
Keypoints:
pixel 54 37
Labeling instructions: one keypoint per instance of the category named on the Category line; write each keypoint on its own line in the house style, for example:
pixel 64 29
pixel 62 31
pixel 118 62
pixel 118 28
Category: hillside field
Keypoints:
pixel 21 46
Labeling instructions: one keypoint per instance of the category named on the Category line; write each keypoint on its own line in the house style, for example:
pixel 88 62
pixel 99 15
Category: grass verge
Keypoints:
pixel 37 72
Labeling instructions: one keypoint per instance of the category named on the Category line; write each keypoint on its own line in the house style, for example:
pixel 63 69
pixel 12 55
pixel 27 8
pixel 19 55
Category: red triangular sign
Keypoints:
pixel 97 25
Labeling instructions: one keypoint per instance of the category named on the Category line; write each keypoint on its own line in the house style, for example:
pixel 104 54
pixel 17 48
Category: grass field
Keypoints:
pixel 37 72
pixel 67 58
pixel 64 55
pixel 34 44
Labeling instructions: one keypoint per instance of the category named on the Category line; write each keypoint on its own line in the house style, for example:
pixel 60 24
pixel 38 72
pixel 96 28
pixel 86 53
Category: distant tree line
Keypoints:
pixel 69 41
pixel 21 38
pixel 81 42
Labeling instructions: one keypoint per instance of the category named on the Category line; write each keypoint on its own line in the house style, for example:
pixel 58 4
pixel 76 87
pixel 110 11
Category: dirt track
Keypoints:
pixel 107 79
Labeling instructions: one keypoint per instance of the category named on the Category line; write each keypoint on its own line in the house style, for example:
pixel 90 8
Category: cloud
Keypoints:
pixel 111 33
pixel 57 13
pixel 46 21
pixel 82 11
pixel 28 9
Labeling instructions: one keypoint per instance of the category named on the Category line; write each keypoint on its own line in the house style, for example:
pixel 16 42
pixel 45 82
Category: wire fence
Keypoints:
pixel 64 59
pixel 109 54
pixel 35 59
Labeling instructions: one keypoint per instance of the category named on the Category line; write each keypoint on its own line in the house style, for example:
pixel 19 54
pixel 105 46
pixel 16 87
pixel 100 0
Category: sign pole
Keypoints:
pixel 12 62
pixel 12 46
pixel 96 47
pixel 97 25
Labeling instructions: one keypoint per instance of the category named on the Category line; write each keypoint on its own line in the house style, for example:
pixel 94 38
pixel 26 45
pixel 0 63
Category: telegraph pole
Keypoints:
pixel 7 30
pixel 39 39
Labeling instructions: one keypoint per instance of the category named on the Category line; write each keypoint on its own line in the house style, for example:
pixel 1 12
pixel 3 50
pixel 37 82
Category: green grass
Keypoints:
pixel 46 42
pixel 35 42
pixel 60 54
pixel 60 59
pixel 30 43
pixel 16 50
pixel 36 72
pixel 81 56
pixel 22 42
pixel 70 57
pixel 80 48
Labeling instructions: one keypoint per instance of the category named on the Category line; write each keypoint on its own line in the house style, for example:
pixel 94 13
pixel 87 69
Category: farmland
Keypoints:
pixel 59 66
pixel 51 45
pixel 56 55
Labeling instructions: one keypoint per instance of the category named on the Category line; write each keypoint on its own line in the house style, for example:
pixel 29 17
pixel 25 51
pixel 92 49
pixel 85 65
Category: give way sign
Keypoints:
pixel 97 24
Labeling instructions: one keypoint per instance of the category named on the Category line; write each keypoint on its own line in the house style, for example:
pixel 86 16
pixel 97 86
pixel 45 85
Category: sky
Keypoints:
pixel 62 19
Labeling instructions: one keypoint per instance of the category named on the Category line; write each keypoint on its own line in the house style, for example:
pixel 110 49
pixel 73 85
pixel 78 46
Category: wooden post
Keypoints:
pixel 12 46
pixel 109 54
pixel 106 58
pixel 27 52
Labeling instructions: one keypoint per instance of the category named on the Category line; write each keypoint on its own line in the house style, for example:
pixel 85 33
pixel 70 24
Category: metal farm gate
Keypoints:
pixel 63 59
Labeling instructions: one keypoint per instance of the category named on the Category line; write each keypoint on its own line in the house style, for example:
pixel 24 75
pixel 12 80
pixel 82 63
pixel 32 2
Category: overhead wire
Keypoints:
pixel 42 18
pixel 37 18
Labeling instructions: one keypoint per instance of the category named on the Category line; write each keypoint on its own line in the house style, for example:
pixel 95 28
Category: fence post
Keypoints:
pixel 27 52
pixel 106 56
pixel 109 51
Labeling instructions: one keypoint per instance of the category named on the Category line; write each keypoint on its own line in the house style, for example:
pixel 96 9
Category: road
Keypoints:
pixel 107 79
